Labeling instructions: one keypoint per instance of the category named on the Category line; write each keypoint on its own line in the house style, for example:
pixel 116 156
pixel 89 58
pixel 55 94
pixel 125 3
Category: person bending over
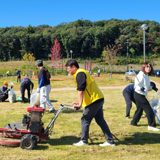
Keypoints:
pixel 128 93
pixel 26 84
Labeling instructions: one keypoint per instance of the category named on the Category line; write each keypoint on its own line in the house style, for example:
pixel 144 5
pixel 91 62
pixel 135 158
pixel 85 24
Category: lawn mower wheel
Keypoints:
pixel 28 141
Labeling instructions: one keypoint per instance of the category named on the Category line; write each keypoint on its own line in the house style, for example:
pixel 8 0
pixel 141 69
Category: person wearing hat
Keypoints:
pixel 44 87
pixel 3 92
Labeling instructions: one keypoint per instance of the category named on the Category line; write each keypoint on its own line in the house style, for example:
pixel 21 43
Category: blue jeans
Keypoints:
pixel 94 110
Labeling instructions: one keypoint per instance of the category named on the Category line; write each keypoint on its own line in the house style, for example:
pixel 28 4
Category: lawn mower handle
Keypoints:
pixel 63 106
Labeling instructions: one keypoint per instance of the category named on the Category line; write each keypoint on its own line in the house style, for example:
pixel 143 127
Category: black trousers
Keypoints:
pixel 143 104
pixel 95 110
pixel 22 89
pixel 129 99
pixel 3 97
pixel 18 79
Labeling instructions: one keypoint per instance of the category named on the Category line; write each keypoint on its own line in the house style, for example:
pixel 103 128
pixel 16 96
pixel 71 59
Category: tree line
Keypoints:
pixel 85 38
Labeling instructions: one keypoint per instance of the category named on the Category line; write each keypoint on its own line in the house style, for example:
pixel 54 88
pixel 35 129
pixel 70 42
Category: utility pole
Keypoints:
pixel 127 41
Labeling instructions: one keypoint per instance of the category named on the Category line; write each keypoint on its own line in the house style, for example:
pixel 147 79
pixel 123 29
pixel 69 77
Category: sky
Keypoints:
pixel 53 12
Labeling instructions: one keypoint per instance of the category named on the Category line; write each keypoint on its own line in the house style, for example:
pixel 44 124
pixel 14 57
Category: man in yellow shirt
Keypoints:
pixel 91 99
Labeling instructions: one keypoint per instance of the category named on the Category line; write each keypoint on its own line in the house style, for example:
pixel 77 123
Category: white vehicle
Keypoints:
pixel 130 72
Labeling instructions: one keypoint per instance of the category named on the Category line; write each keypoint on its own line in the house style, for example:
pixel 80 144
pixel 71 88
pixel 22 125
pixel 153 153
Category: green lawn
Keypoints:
pixel 134 143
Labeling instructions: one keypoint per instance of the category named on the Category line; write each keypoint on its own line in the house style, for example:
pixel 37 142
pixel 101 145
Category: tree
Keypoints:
pixel 29 60
pixel 55 53
pixel 29 29
pixel 10 46
pixel 155 49
pixel 132 51
pixel 34 39
pixel 109 55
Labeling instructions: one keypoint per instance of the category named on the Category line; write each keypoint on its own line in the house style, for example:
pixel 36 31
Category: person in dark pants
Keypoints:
pixel 4 92
pixel 91 99
pixel 128 96
pixel 142 86
pixel 18 72
pixel 128 93
pixel 99 71
pixel 26 84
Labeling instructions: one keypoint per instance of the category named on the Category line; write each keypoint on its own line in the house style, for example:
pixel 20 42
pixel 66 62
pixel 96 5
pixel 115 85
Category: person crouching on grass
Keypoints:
pixel 4 92
pixel 91 99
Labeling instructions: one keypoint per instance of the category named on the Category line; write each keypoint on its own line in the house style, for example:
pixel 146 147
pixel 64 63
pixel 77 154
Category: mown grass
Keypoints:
pixel 133 142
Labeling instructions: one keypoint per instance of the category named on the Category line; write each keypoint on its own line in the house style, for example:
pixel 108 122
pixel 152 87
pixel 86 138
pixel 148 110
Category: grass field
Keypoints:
pixel 133 142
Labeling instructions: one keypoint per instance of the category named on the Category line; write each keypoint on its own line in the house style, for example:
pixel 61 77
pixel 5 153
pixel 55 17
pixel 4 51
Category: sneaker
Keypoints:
pixel 127 117
pixel 153 128
pixel 80 143
pixel 52 110
pixel 107 144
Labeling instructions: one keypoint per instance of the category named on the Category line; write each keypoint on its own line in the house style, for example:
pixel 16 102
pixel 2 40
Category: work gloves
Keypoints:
pixel 6 92
pixel 38 90
pixel 142 89
pixel 154 88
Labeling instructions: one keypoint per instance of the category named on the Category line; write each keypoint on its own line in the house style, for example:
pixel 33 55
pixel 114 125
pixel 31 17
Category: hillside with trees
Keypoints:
pixel 85 38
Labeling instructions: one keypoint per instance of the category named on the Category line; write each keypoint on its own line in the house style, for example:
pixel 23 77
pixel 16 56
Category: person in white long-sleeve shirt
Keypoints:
pixel 142 86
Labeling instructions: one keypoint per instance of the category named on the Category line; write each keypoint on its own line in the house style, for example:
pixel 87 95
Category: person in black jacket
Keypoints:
pixel 4 92
pixel 26 84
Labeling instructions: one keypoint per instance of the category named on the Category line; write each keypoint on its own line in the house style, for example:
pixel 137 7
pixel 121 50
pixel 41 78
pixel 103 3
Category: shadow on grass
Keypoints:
pixel 141 138
pixel 41 147
pixel 66 140
pixel 53 100
pixel 5 101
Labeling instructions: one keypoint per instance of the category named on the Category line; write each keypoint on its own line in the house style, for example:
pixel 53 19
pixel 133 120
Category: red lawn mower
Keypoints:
pixel 30 130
